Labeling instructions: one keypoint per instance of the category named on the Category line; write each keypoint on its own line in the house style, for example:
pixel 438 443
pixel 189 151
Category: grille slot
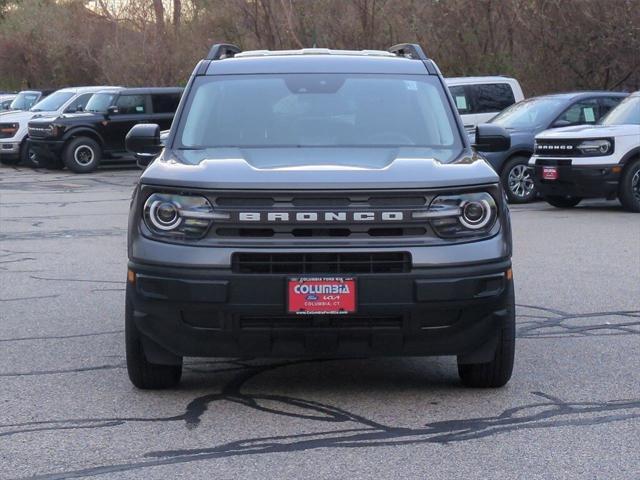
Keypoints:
pixel 321 263
pixel 343 322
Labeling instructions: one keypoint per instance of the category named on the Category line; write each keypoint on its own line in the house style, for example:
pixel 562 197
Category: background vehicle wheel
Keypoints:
pixel 630 187
pixel 82 155
pixel 517 179
pixel 497 372
pixel 562 201
pixel 29 157
pixel 142 373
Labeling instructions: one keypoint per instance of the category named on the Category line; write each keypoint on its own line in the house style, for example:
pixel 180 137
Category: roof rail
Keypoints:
pixel 409 50
pixel 223 50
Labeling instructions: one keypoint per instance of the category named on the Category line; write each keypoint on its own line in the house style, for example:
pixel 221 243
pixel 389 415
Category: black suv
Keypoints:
pixel 318 203
pixel 81 141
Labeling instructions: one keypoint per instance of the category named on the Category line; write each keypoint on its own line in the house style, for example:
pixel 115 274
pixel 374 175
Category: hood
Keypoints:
pixel 44 117
pixel 589 131
pixel 310 168
pixel 19 116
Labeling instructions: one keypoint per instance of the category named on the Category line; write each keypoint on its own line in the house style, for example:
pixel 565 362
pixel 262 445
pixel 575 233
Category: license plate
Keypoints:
pixel 321 296
pixel 549 173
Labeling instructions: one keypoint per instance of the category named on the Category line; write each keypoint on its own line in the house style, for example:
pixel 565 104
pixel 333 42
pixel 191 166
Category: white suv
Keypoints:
pixel 479 99
pixel 600 160
pixel 13 125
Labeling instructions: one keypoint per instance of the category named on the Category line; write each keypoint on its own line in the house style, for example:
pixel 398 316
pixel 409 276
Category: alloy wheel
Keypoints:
pixel 84 155
pixel 521 181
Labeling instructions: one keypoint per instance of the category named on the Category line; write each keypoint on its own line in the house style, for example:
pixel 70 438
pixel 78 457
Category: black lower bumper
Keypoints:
pixel 216 313
pixel 48 149
pixel 578 181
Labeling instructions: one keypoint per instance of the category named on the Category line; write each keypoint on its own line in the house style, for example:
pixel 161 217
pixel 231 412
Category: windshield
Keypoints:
pixel 24 101
pixel 320 110
pixel 53 102
pixel 627 113
pixel 99 102
pixel 536 112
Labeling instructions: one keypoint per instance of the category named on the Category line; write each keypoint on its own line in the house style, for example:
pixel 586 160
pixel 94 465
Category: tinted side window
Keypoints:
pixel 582 112
pixel 492 97
pixel 461 99
pixel 79 103
pixel 131 104
pixel 165 103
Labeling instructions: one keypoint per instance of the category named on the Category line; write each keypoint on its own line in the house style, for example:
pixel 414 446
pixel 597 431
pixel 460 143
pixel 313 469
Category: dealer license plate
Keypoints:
pixel 321 295
pixel 549 173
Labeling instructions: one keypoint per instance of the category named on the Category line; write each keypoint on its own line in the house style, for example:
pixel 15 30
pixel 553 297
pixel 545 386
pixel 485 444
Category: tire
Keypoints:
pixel 517 180
pixel 82 155
pixel 497 372
pixel 29 158
pixel 629 190
pixel 143 374
pixel 560 201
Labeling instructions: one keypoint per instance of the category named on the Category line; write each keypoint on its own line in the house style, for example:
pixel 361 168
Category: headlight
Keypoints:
pixel 181 216
pixel 8 130
pixel 596 147
pixel 463 215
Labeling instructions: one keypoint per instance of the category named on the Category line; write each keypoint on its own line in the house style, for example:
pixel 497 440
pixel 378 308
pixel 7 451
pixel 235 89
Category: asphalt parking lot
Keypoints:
pixel 67 409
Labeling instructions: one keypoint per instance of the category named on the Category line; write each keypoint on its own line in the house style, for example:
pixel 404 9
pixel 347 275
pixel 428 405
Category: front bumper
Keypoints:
pixel 46 148
pixel 586 181
pixel 218 313
pixel 9 150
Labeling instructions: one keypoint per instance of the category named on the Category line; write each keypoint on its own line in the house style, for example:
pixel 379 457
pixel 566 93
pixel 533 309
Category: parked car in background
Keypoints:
pixel 13 125
pixel 479 99
pixel 603 160
pixel 5 101
pixel 526 119
pixel 81 141
pixel 28 98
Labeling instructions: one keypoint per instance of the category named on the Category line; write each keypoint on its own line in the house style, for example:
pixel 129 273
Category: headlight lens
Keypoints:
pixel 181 216
pixel 596 147
pixel 8 130
pixel 463 215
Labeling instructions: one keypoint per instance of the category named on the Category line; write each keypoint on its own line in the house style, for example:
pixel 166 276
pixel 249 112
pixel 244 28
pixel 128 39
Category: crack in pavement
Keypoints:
pixel 548 412
pixel 59 337
pixel 74 233
pixel 20 299
pixel 548 322
pixel 83 280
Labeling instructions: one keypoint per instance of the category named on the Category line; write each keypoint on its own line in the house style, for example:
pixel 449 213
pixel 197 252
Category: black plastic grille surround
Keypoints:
pixel 321 263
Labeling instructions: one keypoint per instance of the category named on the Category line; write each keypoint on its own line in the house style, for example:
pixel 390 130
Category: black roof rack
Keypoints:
pixel 223 50
pixel 409 50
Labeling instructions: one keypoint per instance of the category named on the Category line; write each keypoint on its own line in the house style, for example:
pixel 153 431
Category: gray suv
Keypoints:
pixel 318 203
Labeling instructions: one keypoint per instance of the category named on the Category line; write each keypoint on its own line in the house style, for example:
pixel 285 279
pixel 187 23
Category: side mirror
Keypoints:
pixel 112 110
pixel 143 140
pixel 561 123
pixel 492 138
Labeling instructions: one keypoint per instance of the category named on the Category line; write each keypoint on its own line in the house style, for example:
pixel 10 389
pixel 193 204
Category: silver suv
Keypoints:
pixel 318 203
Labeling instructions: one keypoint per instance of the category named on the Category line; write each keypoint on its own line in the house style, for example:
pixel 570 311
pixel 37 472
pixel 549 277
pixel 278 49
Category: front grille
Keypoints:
pixel 557 148
pixel 320 214
pixel 38 132
pixel 321 263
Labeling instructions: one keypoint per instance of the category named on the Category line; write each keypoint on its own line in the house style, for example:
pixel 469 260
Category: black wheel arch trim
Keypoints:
pixel 518 153
pixel 89 132
pixel 630 155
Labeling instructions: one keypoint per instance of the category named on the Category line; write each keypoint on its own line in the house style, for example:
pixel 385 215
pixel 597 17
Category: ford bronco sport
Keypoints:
pixel 318 203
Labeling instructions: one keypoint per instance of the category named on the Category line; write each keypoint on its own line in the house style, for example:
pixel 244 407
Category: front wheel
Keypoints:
pixel 517 179
pixel 497 372
pixel 142 373
pixel 562 201
pixel 630 187
pixel 82 155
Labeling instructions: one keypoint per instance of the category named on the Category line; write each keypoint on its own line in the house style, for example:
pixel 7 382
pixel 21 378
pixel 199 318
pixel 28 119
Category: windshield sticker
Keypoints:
pixel 411 85
pixel 461 102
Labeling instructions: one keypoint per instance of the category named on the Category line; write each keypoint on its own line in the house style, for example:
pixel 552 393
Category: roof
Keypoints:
pixel 142 90
pixel 334 62
pixel 588 93
pixel 87 89
pixel 489 79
